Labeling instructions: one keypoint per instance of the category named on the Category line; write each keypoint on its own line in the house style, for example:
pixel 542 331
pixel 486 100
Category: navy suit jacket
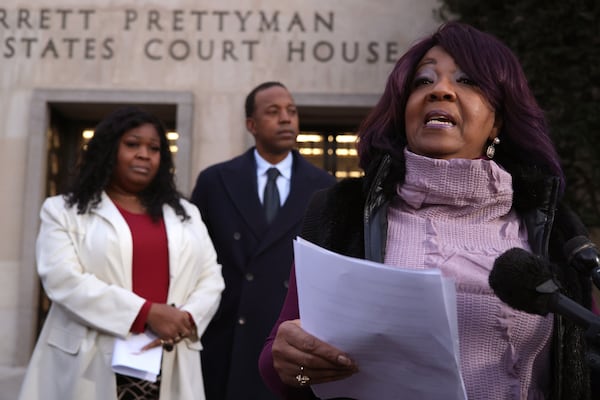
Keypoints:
pixel 256 260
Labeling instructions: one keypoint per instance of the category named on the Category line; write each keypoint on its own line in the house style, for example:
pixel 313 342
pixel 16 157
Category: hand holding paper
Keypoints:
pixel 325 363
pixel 399 325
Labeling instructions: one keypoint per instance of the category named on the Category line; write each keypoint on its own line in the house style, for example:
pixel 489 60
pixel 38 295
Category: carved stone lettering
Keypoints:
pixel 184 35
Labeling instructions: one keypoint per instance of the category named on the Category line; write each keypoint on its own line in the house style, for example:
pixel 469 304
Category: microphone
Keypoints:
pixel 524 281
pixel 583 255
pixel 579 251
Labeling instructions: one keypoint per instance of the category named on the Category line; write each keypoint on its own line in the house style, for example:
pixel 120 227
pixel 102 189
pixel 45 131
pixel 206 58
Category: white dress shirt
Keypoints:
pixel 283 180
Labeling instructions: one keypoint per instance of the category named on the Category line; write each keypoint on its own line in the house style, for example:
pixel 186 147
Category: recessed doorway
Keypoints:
pixel 328 138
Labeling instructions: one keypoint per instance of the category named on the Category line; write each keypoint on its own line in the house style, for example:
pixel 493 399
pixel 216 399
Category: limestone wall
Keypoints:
pixel 327 52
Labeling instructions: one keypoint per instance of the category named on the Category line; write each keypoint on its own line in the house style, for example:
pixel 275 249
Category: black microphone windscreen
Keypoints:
pixel 514 278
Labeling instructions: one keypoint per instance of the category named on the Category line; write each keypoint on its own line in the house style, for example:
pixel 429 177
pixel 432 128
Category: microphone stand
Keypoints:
pixel 583 255
pixel 581 316
pixel 592 356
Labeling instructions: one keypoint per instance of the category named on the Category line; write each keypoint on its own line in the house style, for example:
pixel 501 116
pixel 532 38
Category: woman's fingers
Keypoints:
pixel 170 322
pixel 295 344
pixel 300 358
pixel 167 344
pixel 152 344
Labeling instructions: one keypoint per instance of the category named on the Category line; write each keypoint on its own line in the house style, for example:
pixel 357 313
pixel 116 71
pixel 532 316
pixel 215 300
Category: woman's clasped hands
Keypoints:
pixel 301 359
pixel 170 324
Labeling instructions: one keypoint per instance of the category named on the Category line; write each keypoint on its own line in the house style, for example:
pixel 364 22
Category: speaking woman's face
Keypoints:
pixel 446 114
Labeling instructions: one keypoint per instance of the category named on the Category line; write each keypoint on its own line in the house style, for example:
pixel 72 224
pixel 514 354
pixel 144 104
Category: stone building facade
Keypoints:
pixel 65 63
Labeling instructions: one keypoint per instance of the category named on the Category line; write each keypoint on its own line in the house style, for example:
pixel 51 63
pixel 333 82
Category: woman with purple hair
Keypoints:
pixel 459 168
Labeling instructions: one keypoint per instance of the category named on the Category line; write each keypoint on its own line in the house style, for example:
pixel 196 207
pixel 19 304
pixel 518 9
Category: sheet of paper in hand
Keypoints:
pixel 399 325
pixel 129 360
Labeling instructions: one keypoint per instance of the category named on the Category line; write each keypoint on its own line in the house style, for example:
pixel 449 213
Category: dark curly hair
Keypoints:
pixel 98 162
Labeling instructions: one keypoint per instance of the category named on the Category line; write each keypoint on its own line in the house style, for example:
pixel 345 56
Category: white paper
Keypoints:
pixel 399 325
pixel 128 360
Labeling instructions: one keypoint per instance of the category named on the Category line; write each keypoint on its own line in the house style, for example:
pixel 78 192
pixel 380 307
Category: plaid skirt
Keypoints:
pixel 130 388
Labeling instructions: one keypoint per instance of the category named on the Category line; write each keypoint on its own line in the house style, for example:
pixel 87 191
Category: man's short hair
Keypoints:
pixel 251 98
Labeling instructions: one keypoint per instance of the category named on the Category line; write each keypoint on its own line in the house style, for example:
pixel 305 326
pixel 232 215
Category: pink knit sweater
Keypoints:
pixel 456 215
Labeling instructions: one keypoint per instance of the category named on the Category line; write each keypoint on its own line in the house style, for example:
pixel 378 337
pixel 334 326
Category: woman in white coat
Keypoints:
pixel 114 255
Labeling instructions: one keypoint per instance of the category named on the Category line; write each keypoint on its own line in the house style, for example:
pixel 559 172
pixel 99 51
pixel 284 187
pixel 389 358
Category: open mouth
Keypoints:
pixel 439 119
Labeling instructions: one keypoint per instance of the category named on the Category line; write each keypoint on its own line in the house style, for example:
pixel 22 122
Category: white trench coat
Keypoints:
pixel 84 262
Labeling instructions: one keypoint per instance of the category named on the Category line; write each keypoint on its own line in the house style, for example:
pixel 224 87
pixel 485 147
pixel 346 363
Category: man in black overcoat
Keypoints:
pixel 256 255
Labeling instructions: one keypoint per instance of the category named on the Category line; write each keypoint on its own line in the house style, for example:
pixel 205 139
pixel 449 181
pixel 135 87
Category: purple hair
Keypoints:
pixel 524 134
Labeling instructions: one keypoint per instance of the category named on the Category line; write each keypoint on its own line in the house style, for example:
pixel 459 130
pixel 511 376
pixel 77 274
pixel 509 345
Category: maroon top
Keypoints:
pixel 150 262
pixel 289 311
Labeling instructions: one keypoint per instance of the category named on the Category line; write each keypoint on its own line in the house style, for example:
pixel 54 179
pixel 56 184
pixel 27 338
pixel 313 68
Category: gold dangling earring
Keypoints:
pixel 491 149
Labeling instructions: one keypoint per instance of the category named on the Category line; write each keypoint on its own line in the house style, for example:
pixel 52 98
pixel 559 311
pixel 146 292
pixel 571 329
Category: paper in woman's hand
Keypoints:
pixel 128 359
pixel 399 325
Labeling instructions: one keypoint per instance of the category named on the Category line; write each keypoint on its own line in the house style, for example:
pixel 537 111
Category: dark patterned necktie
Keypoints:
pixel 271 195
